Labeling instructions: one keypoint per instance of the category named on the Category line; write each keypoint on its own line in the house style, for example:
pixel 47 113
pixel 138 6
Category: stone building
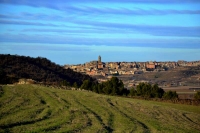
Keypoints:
pixel 100 64
pixel 150 65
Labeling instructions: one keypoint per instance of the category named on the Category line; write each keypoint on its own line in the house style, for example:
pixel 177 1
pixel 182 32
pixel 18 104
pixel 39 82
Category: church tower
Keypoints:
pixel 99 59
pixel 100 64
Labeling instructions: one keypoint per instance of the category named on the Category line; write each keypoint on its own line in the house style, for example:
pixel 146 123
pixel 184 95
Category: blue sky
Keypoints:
pixel 78 31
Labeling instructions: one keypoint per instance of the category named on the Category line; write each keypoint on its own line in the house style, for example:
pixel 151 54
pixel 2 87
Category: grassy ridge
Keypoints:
pixel 32 108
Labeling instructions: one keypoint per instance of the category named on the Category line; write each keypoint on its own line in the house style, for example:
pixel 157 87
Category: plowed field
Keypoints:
pixel 32 108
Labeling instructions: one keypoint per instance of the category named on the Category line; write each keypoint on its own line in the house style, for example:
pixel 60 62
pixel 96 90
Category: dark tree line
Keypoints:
pixel 114 86
pixel 14 67
pixel 147 90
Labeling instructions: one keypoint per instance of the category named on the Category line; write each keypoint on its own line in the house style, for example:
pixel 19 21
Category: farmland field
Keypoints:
pixel 184 92
pixel 33 108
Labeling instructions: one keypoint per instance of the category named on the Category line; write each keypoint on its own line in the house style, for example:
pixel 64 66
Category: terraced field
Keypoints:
pixel 32 108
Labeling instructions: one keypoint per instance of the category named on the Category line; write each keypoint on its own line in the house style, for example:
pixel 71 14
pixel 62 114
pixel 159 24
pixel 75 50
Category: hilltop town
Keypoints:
pixel 126 68
pixel 134 72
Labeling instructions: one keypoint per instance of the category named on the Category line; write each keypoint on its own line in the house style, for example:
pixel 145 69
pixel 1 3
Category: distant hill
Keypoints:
pixel 186 75
pixel 14 67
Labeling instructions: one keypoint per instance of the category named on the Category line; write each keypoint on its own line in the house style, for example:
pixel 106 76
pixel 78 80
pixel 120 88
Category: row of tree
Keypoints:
pixel 114 86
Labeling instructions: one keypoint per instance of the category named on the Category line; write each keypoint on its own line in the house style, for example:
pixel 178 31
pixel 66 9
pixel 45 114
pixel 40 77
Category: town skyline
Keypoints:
pixel 105 61
pixel 99 67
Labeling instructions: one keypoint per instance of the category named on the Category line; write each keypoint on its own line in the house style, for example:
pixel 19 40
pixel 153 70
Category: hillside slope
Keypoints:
pixel 32 108
pixel 14 67
pixel 187 75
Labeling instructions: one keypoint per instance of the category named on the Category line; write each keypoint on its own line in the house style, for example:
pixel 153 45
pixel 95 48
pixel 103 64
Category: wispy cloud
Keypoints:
pixel 124 11
pixel 149 29
pixel 15 22
pixel 131 29
pixel 35 16
pixel 73 31
pixel 69 6
pixel 106 27
pixel 87 10
pixel 43 47
pixel 79 41
pixel 59 2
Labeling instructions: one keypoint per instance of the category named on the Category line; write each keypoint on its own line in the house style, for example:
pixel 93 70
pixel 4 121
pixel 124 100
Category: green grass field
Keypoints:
pixel 32 108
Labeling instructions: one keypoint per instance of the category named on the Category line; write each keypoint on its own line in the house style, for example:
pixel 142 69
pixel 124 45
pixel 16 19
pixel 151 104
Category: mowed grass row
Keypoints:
pixel 33 108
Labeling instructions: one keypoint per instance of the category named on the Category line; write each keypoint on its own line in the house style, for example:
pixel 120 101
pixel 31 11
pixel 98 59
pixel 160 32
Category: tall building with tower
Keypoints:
pixel 100 64
pixel 99 59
